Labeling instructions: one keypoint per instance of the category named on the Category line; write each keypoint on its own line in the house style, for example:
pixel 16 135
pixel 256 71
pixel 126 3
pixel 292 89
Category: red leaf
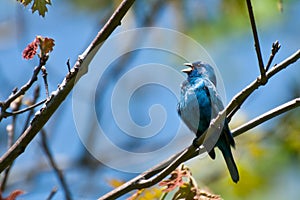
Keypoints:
pixel 30 51
pixel 13 195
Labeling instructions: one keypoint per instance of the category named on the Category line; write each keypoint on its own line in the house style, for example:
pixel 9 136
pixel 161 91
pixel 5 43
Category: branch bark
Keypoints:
pixel 256 42
pixel 241 97
pixel 267 116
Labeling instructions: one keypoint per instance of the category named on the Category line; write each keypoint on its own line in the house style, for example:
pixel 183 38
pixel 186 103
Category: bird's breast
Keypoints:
pixel 194 107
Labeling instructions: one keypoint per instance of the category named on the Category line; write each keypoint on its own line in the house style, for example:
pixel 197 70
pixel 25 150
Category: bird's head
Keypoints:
pixel 200 69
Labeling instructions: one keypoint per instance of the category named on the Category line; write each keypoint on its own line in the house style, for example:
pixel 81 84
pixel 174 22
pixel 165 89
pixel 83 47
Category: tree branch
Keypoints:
pixel 36 95
pixel 267 116
pixel 65 87
pixel 44 75
pixel 25 109
pixel 56 169
pixel 24 88
pixel 10 128
pixel 52 193
pixel 256 42
pixel 240 98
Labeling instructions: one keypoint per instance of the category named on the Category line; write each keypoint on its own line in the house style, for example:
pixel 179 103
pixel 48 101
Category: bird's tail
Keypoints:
pixel 230 164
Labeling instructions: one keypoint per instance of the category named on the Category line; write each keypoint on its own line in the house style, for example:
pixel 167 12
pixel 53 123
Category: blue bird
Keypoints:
pixel 199 103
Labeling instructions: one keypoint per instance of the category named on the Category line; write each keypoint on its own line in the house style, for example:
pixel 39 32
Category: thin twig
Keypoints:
pixel 57 171
pixel 36 95
pixel 10 141
pixel 7 170
pixel 68 65
pixel 26 109
pixel 256 42
pixel 267 116
pixel 44 75
pixel 52 193
pixel 275 48
pixel 4 105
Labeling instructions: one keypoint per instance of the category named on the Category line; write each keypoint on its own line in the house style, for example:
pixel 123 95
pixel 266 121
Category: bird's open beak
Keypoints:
pixel 188 69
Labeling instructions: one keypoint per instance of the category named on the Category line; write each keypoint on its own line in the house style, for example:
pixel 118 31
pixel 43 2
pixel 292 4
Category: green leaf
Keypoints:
pixel 25 2
pixel 40 6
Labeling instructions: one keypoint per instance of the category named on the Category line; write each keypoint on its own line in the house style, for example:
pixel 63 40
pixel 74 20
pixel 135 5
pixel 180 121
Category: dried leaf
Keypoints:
pixel 184 192
pixel 46 44
pixel 182 179
pixel 205 195
pixel 176 179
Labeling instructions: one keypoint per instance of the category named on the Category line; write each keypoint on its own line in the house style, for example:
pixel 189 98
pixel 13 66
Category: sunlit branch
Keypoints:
pixel 267 116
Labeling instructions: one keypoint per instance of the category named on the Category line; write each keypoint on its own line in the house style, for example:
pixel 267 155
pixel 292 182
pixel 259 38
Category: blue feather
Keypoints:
pixel 199 103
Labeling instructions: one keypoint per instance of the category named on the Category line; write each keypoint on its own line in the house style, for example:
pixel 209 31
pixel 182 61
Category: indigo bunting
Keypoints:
pixel 199 103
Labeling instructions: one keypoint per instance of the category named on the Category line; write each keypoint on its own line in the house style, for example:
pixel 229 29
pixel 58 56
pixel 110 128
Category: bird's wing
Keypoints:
pixel 217 106
pixel 212 136
pixel 216 102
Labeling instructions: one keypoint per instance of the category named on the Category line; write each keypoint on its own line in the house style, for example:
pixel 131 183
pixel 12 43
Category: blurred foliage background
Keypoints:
pixel 267 156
